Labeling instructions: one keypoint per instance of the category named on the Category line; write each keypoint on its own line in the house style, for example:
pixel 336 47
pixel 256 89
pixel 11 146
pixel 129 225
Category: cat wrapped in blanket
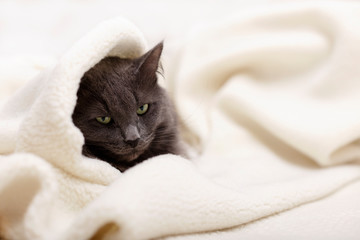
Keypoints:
pixel 125 116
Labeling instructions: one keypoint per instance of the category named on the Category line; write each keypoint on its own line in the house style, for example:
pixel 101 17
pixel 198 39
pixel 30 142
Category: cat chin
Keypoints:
pixel 129 157
pixel 131 154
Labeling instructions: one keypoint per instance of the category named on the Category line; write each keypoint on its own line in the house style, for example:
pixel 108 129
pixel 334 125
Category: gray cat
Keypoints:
pixel 124 115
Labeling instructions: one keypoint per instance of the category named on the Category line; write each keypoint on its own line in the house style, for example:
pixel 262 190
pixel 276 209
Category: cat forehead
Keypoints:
pixel 114 70
pixel 122 95
pixel 110 73
pixel 115 82
pixel 113 63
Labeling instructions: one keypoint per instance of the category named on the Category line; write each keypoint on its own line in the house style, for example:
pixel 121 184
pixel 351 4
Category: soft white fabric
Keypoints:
pixel 334 217
pixel 268 99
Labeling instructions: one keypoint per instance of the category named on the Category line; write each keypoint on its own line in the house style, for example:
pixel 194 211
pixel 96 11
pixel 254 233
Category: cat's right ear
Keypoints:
pixel 148 64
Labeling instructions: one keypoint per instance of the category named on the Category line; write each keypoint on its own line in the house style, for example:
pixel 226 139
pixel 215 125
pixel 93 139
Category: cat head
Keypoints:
pixel 121 107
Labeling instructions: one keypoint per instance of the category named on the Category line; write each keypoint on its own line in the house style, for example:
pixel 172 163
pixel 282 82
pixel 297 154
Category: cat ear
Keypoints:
pixel 148 64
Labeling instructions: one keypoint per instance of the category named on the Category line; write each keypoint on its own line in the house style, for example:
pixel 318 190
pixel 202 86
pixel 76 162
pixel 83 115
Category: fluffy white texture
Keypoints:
pixel 260 95
pixel 39 115
pixel 291 69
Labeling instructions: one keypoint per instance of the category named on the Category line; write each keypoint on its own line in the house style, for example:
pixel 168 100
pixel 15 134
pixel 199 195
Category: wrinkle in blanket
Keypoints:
pixel 291 71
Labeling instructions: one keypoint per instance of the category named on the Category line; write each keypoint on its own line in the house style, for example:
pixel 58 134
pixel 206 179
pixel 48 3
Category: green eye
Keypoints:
pixel 103 120
pixel 141 110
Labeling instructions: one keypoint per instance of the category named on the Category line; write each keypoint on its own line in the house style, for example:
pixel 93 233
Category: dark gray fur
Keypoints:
pixel 117 88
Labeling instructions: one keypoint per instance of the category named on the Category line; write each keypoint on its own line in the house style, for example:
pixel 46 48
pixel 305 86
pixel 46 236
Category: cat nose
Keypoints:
pixel 132 136
pixel 133 143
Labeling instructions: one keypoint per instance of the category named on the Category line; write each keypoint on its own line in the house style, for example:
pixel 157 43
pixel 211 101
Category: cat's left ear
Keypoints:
pixel 148 64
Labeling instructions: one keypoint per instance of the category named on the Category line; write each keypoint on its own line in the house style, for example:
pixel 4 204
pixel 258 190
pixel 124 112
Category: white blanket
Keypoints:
pixel 270 100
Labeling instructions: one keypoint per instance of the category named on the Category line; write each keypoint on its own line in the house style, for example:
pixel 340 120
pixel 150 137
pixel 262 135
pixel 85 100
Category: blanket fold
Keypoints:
pixel 38 118
pixel 292 69
pixel 272 98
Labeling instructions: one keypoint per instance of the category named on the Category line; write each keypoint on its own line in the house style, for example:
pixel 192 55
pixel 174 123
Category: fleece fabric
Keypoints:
pixel 269 100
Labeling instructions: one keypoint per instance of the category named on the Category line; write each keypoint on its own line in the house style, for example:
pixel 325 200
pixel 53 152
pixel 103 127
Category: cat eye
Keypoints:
pixel 103 120
pixel 143 109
